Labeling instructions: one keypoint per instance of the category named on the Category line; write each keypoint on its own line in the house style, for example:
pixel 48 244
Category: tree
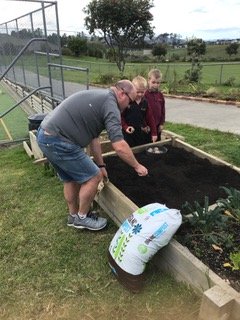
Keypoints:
pixel 122 23
pixel 195 48
pixel 162 38
pixel 77 45
pixel 232 48
pixel 159 50
pixel 64 40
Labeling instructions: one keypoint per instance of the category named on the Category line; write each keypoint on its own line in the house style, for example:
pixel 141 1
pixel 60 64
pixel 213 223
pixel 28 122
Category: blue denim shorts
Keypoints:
pixel 70 160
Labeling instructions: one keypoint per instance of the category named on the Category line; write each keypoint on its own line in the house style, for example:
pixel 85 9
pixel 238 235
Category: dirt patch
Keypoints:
pixel 174 178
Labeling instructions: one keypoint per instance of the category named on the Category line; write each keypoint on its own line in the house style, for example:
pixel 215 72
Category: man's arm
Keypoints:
pixel 96 150
pixel 125 153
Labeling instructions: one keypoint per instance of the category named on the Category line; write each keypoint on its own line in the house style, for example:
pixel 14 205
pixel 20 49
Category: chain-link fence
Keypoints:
pixel 212 73
pixel 31 61
pixel 28 44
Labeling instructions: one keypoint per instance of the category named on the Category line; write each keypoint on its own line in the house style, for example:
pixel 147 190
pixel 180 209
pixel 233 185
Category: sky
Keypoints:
pixel 205 19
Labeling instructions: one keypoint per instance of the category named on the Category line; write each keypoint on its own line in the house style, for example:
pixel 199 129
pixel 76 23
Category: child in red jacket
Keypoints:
pixel 137 120
pixel 156 99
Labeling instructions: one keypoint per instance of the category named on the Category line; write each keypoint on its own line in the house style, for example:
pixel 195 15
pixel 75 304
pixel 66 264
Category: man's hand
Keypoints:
pixel 141 170
pixel 104 173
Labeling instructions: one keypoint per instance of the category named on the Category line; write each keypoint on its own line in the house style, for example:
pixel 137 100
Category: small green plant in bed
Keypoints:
pixel 209 224
pixel 235 259
pixel 231 205
pixel 212 235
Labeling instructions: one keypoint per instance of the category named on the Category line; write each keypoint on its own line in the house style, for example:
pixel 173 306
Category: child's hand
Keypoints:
pixel 154 138
pixel 130 129
pixel 160 128
pixel 146 129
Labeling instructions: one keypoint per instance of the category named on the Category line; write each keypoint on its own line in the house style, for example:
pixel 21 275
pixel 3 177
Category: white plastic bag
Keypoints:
pixel 141 235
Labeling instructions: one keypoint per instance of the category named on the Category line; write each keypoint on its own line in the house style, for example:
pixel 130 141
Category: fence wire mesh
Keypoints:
pixel 36 36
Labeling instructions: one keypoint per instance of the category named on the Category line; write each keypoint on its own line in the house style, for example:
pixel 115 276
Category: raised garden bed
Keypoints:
pixel 173 180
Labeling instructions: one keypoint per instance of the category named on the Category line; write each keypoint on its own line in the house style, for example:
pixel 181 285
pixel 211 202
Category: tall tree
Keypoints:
pixel 78 45
pixel 195 48
pixel 122 23
pixel 159 50
pixel 232 48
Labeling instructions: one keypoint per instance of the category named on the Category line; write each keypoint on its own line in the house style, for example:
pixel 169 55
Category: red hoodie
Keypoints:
pixel 156 102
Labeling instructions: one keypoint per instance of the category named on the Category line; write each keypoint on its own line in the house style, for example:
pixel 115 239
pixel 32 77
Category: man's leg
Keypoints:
pixel 87 193
pixel 71 195
pixel 85 218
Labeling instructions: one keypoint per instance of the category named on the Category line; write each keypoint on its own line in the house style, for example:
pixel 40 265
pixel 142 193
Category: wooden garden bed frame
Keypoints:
pixel 219 300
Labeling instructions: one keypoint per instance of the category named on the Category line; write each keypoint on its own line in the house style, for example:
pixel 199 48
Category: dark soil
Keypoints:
pixel 174 178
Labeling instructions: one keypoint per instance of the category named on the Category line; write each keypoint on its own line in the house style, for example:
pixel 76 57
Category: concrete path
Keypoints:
pixel 222 117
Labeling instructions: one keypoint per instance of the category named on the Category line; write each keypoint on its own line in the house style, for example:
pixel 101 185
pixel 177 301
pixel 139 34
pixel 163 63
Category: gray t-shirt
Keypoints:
pixel 84 115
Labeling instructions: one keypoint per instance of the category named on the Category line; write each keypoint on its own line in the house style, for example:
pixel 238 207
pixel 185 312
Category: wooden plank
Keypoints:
pixel 115 203
pixel 216 304
pixel 169 134
pixel 27 149
pixel 41 161
pixel 204 155
pixel 37 152
pixel 142 147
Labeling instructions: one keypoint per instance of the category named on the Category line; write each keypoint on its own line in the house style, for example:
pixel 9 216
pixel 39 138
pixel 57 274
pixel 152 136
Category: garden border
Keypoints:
pixel 219 299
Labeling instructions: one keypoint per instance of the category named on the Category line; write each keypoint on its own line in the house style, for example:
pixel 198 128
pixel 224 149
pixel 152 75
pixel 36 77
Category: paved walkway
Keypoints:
pixel 222 117
pixel 209 115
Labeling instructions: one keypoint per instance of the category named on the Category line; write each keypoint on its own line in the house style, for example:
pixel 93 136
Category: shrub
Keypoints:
pixel 66 51
pixel 212 92
pixel 193 74
pixel 175 57
pixel 107 78
pixel 229 82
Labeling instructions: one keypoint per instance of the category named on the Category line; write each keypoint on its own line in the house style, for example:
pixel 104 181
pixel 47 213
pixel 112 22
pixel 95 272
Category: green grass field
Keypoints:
pixel 217 67
pixel 15 121
pixel 212 73
pixel 51 271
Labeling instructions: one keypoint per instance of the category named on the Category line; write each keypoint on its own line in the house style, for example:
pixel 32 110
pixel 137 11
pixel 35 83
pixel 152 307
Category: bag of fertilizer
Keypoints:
pixel 138 239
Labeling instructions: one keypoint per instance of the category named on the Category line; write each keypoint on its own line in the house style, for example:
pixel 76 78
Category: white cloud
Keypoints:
pixel 207 19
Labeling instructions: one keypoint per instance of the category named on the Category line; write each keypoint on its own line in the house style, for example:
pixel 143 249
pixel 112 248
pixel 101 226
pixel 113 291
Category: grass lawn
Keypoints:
pixel 16 121
pixel 51 271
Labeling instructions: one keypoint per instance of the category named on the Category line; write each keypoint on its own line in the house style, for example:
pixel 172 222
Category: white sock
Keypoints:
pixel 73 214
pixel 82 215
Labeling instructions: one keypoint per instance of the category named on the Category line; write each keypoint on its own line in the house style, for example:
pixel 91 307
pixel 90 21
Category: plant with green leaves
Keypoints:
pixel 231 205
pixel 207 223
pixel 235 259
pixel 203 218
